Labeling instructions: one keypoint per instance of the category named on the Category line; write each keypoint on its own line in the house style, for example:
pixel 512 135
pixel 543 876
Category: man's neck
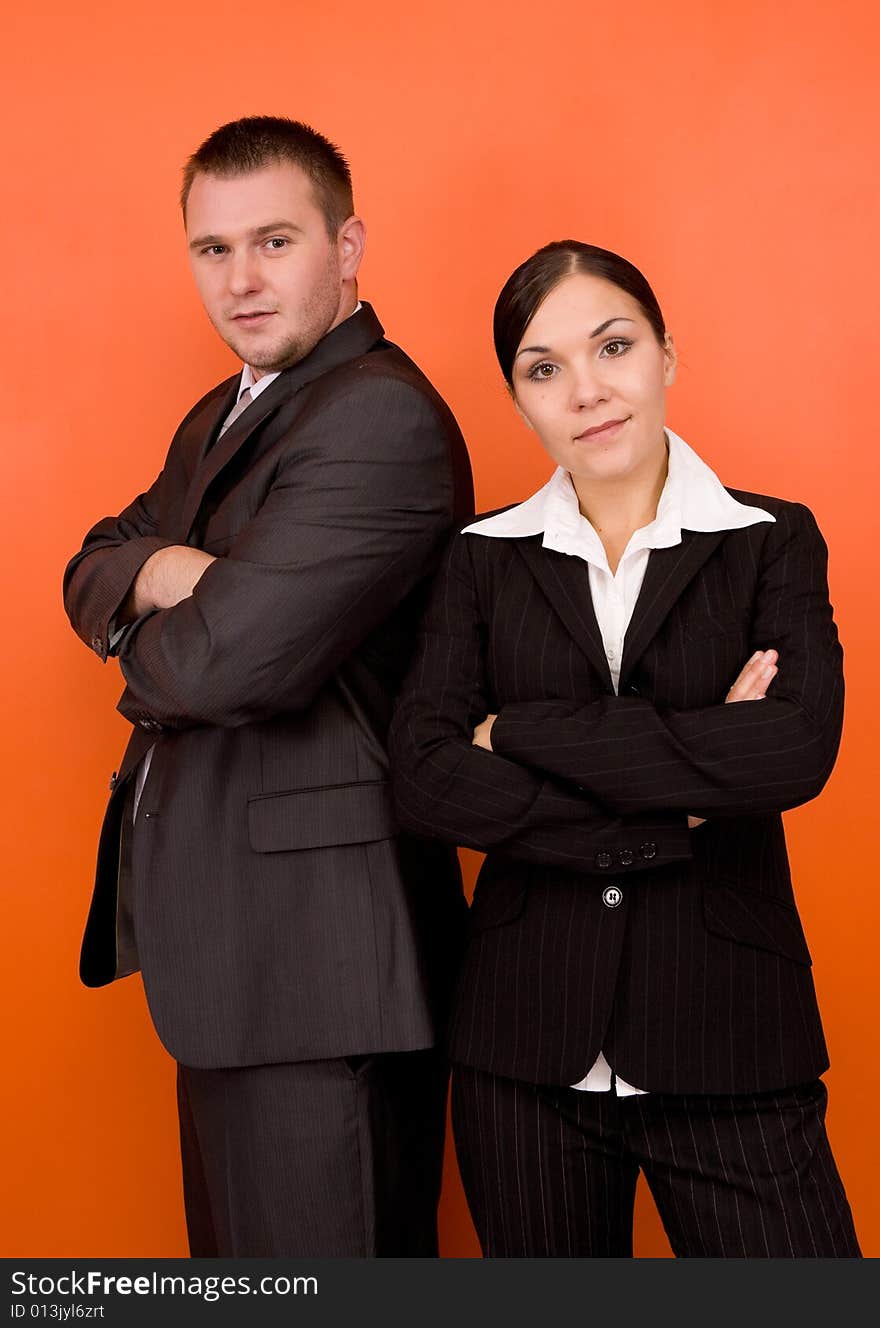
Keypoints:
pixel 349 305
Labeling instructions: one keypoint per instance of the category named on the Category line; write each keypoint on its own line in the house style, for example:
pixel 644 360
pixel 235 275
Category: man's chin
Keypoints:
pixel 271 359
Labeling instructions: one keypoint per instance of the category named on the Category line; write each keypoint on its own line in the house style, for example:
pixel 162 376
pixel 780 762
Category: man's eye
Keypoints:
pixel 277 242
pixel 542 371
pixel 214 249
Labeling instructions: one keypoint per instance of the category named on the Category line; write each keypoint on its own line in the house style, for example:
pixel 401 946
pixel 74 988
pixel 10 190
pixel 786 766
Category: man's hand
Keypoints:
pixel 482 733
pixel 751 685
pixel 167 577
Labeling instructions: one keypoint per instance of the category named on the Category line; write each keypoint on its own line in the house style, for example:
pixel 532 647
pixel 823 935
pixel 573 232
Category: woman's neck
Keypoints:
pixel 617 508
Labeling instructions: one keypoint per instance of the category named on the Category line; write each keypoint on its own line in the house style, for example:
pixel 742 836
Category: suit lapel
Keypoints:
pixel 565 580
pixel 353 337
pixel 214 458
pixel 668 573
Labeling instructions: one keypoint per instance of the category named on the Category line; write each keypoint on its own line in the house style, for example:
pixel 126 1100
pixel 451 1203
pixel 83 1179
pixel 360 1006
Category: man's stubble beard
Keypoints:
pixel 315 320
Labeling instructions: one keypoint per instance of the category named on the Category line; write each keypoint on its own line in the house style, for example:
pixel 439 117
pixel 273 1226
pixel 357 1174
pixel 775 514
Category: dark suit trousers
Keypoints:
pixel 332 1158
pixel 551 1172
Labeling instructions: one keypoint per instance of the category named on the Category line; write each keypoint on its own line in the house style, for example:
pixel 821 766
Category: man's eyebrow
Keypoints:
pixel 597 332
pixel 202 241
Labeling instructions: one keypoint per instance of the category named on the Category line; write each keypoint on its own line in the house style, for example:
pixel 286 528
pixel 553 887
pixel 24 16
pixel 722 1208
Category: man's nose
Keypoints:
pixel 243 273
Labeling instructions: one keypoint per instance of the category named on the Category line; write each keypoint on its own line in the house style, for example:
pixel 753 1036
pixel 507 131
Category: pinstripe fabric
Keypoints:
pixel 551 1173
pixel 322 1159
pixel 697 979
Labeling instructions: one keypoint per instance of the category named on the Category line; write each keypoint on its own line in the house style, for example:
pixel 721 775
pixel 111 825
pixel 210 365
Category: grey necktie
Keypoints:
pixel 240 406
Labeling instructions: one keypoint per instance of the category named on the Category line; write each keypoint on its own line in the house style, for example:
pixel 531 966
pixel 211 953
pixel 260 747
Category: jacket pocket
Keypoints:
pixel 325 817
pixel 499 896
pixel 754 919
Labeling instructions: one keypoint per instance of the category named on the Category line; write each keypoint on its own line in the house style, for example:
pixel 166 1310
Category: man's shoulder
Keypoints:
pixel 384 366
pixel 383 382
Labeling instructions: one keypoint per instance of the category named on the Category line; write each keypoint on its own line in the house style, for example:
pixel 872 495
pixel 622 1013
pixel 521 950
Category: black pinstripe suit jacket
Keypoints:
pixel 692 972
pixel 279 916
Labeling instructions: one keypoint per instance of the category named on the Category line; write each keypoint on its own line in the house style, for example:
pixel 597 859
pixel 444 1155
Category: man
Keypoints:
pixel 261 597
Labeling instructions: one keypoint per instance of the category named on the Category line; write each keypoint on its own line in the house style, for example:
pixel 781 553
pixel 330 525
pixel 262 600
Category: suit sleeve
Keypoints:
pixel 739 759
pixel 356 517
pixel 98 578
pixel 447 788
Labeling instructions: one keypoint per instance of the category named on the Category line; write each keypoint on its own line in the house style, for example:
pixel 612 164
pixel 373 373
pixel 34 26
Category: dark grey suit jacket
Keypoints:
pixel 279 914
pixel 599 921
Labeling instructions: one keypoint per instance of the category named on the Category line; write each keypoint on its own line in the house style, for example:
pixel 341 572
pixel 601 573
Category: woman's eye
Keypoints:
pixel 615 348
pixel 543 370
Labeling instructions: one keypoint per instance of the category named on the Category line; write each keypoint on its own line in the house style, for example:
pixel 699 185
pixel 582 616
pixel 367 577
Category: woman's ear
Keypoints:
pixel 519 410
pixel 671 355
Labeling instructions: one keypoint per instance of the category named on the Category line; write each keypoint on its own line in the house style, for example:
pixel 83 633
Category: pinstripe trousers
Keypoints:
pixel 550 1172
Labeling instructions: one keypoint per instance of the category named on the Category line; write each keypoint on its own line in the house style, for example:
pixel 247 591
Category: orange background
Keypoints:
pixel 731 155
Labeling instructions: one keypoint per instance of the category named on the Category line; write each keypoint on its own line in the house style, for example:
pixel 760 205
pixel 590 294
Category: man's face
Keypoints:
pixel 271 279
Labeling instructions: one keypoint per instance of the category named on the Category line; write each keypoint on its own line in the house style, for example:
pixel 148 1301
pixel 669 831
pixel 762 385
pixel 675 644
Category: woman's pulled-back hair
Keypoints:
pixel 533 280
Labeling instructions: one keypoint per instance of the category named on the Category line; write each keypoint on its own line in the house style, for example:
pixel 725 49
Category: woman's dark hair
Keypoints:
pixel 534 279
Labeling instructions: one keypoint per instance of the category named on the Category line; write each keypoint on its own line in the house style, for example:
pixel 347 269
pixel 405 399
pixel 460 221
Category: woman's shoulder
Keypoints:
pixel 785 509
pixel 792 521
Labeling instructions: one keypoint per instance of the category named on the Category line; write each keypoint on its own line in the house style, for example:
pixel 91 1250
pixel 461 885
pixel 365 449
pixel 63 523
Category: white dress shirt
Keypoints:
pixel 693 498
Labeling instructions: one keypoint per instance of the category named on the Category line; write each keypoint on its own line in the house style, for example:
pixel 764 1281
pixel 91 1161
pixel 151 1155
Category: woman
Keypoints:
pixel 621 683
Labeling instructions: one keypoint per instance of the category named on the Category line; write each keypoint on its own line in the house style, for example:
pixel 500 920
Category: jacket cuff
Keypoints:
pixel 113 580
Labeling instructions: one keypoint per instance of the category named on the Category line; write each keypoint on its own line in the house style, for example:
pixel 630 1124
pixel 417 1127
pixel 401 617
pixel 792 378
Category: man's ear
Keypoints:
pixel 671 361
pixel 351 241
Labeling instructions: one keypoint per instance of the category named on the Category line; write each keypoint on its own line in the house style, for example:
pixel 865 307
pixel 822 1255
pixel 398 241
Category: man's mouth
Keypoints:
pixel 253 317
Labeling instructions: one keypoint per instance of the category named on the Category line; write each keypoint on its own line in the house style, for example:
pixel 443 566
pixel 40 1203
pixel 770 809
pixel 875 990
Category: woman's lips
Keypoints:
pixel 601 430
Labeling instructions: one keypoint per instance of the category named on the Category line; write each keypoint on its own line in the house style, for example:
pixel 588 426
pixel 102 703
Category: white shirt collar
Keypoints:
pixel 693 498
pixel 256 386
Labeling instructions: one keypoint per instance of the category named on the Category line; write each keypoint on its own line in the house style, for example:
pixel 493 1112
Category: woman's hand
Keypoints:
pixel 481 736
pixel 751 685
pixel 755 678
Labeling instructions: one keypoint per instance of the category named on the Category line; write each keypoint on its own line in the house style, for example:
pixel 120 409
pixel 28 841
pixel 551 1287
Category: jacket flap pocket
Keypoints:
pixel 755 919
pixel 321 817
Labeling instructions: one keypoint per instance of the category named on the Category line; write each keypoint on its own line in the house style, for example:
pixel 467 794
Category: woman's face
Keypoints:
pixel 590 378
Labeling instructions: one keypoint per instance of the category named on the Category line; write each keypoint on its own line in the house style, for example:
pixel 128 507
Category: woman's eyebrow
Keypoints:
pixel 602 326
pixel 597 332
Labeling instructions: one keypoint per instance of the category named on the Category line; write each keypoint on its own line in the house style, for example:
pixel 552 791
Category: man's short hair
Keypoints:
pixel 258 141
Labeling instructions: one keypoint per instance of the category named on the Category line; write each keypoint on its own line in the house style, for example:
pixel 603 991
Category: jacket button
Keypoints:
pixel 633 690
pixel 603 860
pixel 625 857
pixel 114 780
pixel 612 896
pixel 97 645
pixel 648 851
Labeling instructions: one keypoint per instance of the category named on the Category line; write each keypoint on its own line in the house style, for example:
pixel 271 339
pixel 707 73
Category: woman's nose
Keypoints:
pixel 588 390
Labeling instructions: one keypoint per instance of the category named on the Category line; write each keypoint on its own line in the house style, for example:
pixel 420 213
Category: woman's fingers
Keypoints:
pixel 755 678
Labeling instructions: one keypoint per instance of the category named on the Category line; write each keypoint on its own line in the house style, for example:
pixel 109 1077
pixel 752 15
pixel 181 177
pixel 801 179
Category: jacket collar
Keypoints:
pixel 694 515
pixel 353 337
